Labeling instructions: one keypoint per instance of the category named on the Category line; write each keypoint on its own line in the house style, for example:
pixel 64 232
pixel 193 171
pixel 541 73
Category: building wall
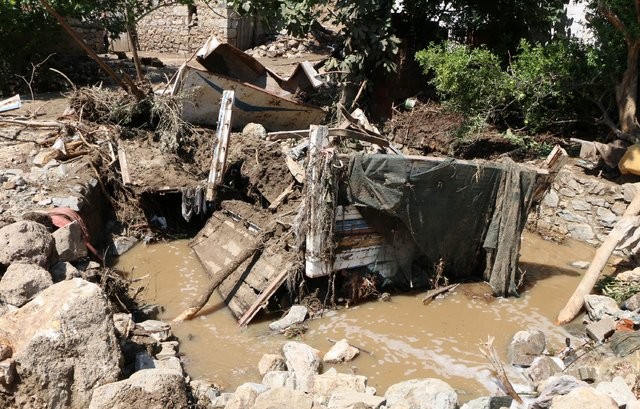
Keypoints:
pixel 171 29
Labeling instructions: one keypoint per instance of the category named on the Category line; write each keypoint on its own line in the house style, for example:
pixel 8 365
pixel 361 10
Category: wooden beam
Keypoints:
pixel 219 159
pixel 124 166
pixel 135 91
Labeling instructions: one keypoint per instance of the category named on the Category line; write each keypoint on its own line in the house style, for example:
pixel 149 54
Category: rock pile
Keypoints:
pixel 283 45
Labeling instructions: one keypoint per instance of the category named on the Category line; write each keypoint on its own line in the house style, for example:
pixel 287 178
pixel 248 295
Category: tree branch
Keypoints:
pixel 615 21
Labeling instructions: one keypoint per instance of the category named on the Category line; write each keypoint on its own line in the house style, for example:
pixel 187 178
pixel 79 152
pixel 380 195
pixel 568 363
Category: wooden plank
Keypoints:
pixel 124 166
pixel 262 299
pixel 219 159
pixel 282 196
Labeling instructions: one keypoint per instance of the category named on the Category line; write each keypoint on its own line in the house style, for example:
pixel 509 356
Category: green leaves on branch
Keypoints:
pixel 542 88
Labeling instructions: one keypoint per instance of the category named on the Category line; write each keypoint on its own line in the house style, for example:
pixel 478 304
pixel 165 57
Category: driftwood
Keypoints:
pixel 432 294
pixel 575 303
pixel 489 351
pixel 221 275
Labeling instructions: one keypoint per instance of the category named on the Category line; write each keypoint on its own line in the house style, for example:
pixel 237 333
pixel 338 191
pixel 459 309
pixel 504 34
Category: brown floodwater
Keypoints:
pixel 406 338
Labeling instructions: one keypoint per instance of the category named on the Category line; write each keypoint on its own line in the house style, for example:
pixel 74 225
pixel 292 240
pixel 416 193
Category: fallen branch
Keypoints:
pixel 35 124
pixel 575 303
pixel 221 275
pixel 489 351
pixel 432 294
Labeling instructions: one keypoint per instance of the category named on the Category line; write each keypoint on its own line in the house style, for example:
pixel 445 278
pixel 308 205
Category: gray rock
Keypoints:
pixel 331 380
pixel 171 364
pixel 296 314
pixel 618 390
pixel 168 349
pixel 581 232
pixel 541 369
pixel 72 202
pixel 554 386
pixel 70 243
pixel 205 392
pixel 600 306
pixel 346 399
pixel 601 330
pixel 159 330
pixel 630 190
pixel 22 282
pixel 271 362
pixel 254 130
pixel 245 396
pixel 551 199
pixel 151 388
pixel 567 192
pixel 279 379
pixel 584 373
pixel 341 351
pixel 580 205
pixel 303 361
pixel 64 345
pixel 525 346
pixel 64 271
pixel 606 216
pixel 26 241
pixel 283 398
pixel 583 398
pixel 632 303
pixel 571 217
pixel 489 402
pixel 221 401
pixel 422 394
pixel 123 244
pixel 618 208
pixel 631 276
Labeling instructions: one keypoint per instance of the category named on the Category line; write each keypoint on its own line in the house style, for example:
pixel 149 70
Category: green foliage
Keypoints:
pixel 544 87
pixel 470 80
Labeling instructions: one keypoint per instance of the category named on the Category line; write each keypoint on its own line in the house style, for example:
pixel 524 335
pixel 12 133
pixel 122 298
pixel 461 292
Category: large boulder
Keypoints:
pixel 525 347
pixel 426 393
pixel 555 386
pixel 583 398
pixel 600 306
pixel 64 346
pixel 22 282
pixel 303 361
pixel 245 396
pixel 149 389
pixel 271 362
pixel 26 241
pixel 331 381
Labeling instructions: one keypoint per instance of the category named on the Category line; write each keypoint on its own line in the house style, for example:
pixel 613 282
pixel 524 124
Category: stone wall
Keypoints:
pixel 92 34
pixel 582 207
pixel 174 28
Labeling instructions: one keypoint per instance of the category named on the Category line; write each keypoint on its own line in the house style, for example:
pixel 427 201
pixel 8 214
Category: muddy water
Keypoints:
pixel 406 339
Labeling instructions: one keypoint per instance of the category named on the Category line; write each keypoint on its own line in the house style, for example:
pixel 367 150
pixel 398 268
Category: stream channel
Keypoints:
pixel 406 338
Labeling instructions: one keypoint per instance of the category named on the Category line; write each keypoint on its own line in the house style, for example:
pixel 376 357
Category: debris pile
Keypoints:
pixel 284 45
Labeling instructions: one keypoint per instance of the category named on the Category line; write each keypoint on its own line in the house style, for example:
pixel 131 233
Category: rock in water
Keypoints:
pixel 303 361
pixel 525 347
pixel 422 394
pixel 341 351
pixel 148 389
pixel 22 282
pixel 64 346
pixel 26 241
pixel 296 315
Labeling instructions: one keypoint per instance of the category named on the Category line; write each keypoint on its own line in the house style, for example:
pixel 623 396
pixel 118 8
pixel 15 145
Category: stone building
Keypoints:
pixel 181 28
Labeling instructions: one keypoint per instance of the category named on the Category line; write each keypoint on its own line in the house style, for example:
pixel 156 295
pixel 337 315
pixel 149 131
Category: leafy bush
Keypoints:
pixel 544 87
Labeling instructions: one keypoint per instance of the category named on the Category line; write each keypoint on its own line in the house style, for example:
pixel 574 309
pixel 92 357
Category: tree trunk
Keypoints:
pixel 627 91
pixel 134 50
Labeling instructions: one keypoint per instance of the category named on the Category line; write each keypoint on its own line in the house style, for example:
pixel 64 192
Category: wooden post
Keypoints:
pixel 600 259
pixel 219 160
pixel 134 51
pixel 124 166
pixel 315 265
pixel 133 90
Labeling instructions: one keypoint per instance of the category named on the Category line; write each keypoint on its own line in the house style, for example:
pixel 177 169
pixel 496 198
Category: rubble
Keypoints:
pixel 22 282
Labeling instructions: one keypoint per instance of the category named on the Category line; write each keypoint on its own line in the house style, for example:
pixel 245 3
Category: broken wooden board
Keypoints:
pixel 225 236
